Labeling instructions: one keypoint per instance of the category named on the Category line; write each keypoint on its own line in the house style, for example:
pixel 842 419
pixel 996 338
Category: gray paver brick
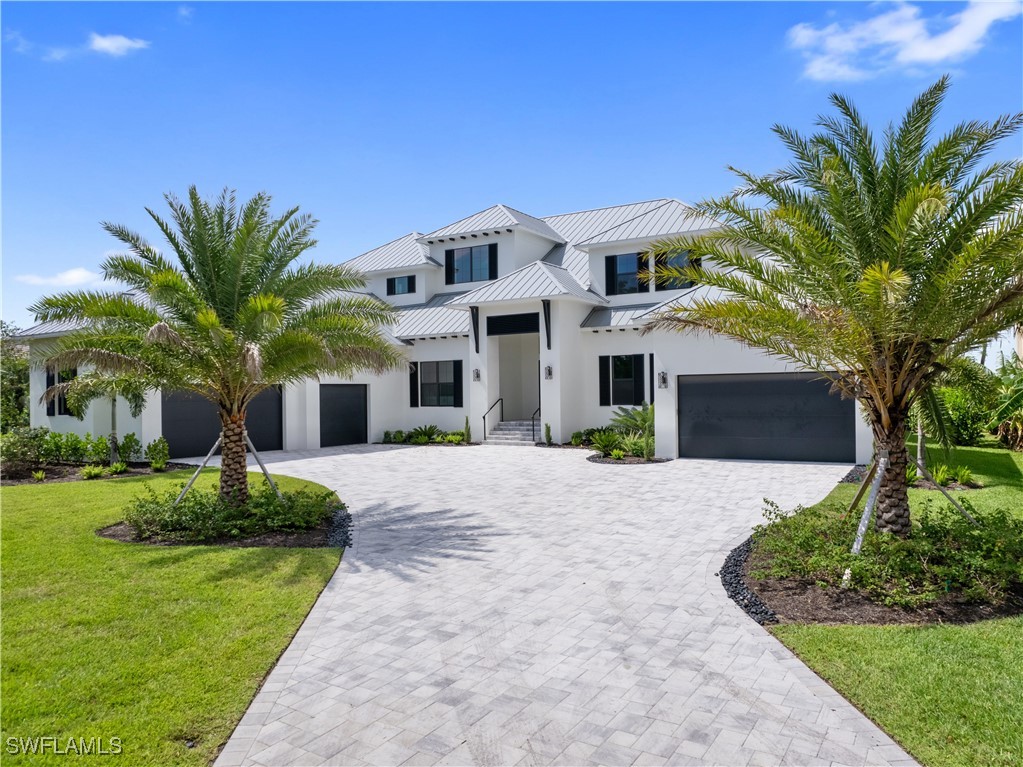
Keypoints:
pixel 523 606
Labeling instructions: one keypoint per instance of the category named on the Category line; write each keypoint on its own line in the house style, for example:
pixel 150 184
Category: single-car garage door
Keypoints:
pixel 342 414
pixel 191 425
pixel 770 416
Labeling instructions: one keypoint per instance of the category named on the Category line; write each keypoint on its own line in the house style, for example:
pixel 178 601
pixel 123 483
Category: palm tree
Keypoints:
pixel 874 265
pixel 228 316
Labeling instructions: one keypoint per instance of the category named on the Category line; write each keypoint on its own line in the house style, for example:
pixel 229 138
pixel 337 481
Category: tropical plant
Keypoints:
pixel 398 437
pixel 1007 415
pixel 467 432
pixel 618 454
pixel 429 431
pixel 963 475
pixel 548 440
pixel 455 439
pixel 634 445
pixel 129 448
pixel 118 467
pixel 418 439
pixel 630 420
pixel 606 441
pixel 97 449
pixel 942 474
pixel 79 391
pixel 872 265
pixel 92 472
pixel 73 448
pixel 14 373
pixel 227 315
pixel 577 438
pixel 932 412
pixel 912 475
pixel 39 476
pixel 158 454
pixel 20 450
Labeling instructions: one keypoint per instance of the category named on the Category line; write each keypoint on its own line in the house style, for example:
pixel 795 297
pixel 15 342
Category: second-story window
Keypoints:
pixel 400 286
pixel 625 274
pixel 677 261
pixel 473 264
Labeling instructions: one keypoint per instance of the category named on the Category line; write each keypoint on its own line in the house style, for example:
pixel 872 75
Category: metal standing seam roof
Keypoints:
pixel 402 253
pixel 535 280
pixel 616 316
pixel 672 218
pixel 48 329
pixel 434 318
pixel 494 218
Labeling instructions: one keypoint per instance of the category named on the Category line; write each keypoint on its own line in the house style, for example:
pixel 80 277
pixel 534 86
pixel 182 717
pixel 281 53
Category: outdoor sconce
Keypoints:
pixel 548 372
pixel 662 380
pixel 475 374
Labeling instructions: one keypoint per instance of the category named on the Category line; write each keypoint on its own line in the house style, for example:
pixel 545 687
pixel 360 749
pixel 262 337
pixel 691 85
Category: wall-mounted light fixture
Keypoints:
pixel 548 372
pixel 475 374
pixel 662 380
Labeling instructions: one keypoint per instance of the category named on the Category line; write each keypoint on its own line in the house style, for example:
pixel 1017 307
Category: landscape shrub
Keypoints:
pixel 73 448
pixel 21 451
pixel 52 447
pixel 118 468
pixel 398 437
pixel 606 441
pixel 577 438
pixel 92 472
pixel 632 420
pixel 912 474
pixel 547 434
pixel 419 439
pixel 203 515
pixel 39 476
pixel 967 416
pixel 129 448
pixel 944 553
pixel 97 449
pixel 429 431
pixel 158 454
pixel 942 474
pixel 634 445
pixel 618 454
pixel 963 475
pixel 455 439
pixel 439 439
pixel 388 438
pixel 467 432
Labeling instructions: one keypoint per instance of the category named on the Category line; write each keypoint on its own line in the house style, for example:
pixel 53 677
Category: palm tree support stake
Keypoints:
pixel 871 470
pixel 944 492
pixel 202 466
pixel 260 462
pixel 879 469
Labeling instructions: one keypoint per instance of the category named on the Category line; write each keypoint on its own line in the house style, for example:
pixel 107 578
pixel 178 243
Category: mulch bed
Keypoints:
pixel 73 473
pixel 306 539
pixel 627 460
pixel 793 600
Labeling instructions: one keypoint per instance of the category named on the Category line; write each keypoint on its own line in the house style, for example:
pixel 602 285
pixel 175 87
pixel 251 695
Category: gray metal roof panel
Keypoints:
pixel 494 218
pixel 434 318
pixel 402 253
pixel 48 329
pixel 616 316
pixel 535 280
pixel 671 218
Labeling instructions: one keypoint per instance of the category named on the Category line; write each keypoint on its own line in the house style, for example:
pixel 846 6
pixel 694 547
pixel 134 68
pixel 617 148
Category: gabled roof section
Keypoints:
pixel 617 316
pixel 434 318
pixel 50 329
pixel 671 218
pixel 404 253
pixel 494 219
pixel 535 280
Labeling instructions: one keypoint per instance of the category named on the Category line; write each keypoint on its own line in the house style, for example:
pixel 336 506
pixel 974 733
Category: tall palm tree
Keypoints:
pixel 229 315
pixel 873 264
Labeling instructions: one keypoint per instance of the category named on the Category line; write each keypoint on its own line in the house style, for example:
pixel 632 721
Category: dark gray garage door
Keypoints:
pixel 777 417
pixel 342 414
pixel 191 424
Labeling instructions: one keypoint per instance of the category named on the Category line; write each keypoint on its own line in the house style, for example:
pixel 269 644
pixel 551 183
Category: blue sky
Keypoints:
pixel 380 119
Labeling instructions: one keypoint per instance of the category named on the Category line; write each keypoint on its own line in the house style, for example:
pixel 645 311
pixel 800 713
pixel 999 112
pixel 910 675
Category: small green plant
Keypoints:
pixel 606 441
pixel 92 472
pixel 158 454
pixel 963 475
pixel 547 434
pixel 419 439
pixel 634 445
pixel 912 475
pixel 577 438
pixel 429 431
pixel 455 439
pixel 51 447
pixel 118 468
pixel 73 448
pixel 129 448
pixel 618 454
pixel 97 449
pixel 388 438
pixel 966 416
pixel 39 476
pixel 467 432
pixel 21 451
pixel 631 420
pixel 398 437
pixel 942 474
pixel 439 439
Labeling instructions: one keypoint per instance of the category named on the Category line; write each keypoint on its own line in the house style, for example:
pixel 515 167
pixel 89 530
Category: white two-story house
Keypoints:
pixel 509 318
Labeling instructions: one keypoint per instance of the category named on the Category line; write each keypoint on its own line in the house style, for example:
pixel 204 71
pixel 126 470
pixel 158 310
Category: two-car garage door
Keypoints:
pixel 770 416
pixel 191 425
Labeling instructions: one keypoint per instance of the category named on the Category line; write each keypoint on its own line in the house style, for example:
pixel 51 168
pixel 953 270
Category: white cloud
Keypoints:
pixel 18 42
pixel 897 37
pixel 115 45
pixel 185 12
pixel 69 279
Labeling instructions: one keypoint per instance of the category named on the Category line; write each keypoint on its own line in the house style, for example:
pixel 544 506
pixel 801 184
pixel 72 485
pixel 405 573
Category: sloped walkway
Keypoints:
pixel 507 605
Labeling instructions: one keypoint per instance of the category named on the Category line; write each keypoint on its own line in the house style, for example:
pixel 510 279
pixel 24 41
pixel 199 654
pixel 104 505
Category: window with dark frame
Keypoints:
pixel 622 380
pixel 440 384
pixel 400 286
pixel 59 406
pixel 625 274
pixel 677 261
pixel 477 263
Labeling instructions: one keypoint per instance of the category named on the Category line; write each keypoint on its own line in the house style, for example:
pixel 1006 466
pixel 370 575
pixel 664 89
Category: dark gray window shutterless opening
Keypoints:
pixel 622 380
pixel 440 383
pixel 625 274
pixel 676 261
pixel 51 380
pixel 472 264
pixel 59 406
pixel 400 286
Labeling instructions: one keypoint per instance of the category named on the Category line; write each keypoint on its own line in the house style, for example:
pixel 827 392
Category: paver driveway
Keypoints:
pixel 506 605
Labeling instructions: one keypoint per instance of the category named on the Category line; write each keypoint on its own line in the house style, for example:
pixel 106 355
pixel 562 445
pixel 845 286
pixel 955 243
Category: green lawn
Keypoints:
pixel 951 695
pixel 154 645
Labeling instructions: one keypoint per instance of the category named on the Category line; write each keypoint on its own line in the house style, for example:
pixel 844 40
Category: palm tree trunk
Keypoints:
pixel 893 500
pixel 921 442
pixel 113 429
pixel 234 481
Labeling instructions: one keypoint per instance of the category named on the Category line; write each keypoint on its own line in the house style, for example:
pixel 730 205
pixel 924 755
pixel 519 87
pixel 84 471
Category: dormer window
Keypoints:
pixel 623 274
pixel 474 264
pixel 677 261
pixel 400 286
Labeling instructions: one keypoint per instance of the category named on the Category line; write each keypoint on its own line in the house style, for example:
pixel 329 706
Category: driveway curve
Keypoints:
pixel 512 605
